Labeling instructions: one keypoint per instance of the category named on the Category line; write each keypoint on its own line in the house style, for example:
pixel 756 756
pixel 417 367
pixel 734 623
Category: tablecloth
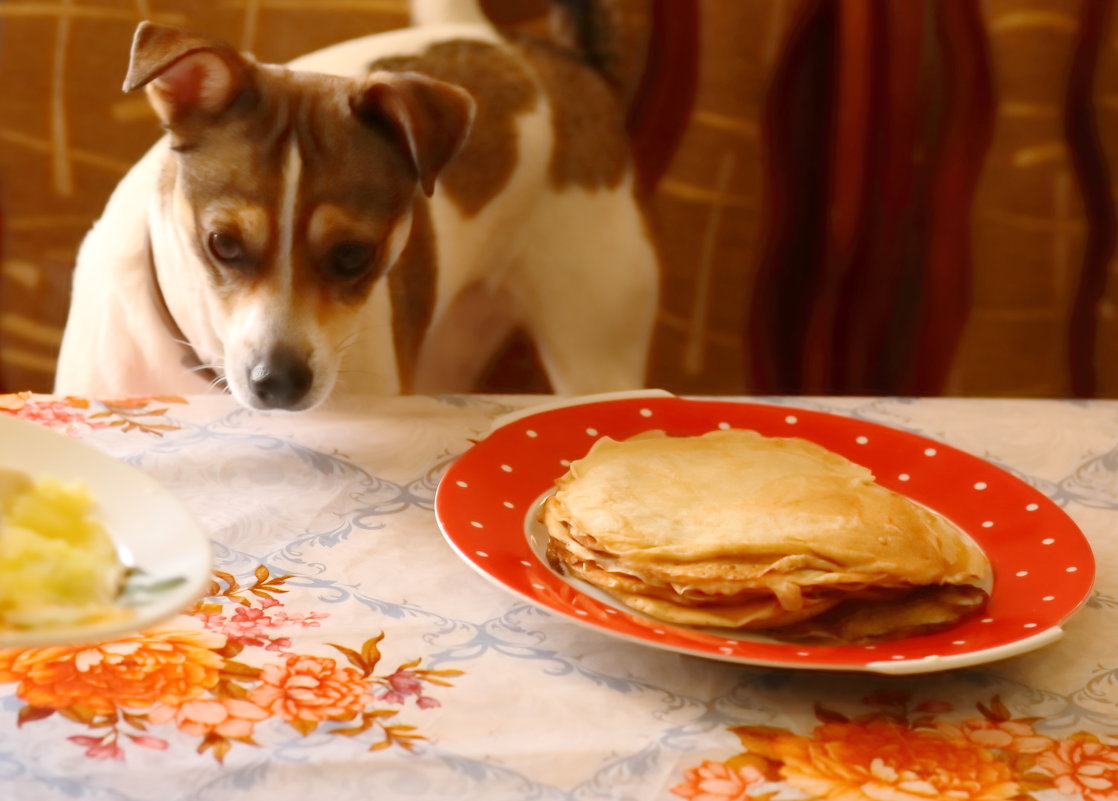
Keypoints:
pixel 344 650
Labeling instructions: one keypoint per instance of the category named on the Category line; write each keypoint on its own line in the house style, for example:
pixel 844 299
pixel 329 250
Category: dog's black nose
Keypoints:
pixel 280 380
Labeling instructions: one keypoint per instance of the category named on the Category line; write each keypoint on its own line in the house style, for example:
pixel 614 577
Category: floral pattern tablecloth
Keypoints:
pixel 344 651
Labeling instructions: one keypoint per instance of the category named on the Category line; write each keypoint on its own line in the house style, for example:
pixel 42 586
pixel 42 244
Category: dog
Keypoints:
pixel 376 217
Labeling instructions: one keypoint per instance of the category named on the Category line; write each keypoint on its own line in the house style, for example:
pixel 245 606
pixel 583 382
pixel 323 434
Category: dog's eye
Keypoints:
pixel 350 260
pixel 226 248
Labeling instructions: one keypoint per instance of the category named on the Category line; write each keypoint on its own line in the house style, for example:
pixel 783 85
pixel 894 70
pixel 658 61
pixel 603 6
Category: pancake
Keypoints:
pixel 737 530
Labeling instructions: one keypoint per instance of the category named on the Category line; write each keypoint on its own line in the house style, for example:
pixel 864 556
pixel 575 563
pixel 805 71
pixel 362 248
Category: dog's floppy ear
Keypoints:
pixel 185 74
pixel 430 119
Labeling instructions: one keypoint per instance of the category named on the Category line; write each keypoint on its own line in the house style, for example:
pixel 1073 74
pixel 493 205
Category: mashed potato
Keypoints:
pixel 58 566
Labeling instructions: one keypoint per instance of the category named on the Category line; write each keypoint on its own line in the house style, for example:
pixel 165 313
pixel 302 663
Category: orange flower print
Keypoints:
pixel 134 402
pixel 886 761
pixel 311 688
pixel 228 717
pixel 49 412
pixel 1083 768
pixel 169 664
pixel 186 675
pixel 717 781
pixel 1006 735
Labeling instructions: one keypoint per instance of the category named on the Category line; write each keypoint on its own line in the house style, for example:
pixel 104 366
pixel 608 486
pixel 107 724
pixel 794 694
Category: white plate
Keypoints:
pixel 156 534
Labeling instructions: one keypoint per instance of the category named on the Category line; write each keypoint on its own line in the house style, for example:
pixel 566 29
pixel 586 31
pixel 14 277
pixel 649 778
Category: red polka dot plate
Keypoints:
pixel 1043 566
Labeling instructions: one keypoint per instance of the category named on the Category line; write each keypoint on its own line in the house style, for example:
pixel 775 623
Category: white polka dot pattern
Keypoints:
pixel 1015 524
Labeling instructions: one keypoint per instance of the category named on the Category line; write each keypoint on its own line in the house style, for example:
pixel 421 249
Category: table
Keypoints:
pixel 346 652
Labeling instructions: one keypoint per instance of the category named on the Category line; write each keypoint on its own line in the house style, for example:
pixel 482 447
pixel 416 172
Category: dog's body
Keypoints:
pixel 289 233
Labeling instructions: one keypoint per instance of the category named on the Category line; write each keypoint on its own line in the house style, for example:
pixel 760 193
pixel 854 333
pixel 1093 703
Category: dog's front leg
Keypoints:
pixel 116 340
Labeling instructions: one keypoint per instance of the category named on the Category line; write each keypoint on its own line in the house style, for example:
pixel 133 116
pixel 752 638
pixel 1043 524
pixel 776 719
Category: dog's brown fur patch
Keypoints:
pixel 411 285
pixel 331 224
pixel 591 145
pixel 502 90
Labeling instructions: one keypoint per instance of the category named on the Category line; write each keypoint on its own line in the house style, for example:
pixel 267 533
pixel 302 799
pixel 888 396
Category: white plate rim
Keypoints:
pixel 133 506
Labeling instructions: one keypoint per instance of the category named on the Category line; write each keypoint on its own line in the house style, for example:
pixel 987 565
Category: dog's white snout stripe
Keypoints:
pixel 289 201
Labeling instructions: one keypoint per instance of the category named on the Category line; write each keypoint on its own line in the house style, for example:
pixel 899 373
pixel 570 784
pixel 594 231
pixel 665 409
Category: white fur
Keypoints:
pixel 292 171
pixel 350 59
pixel 446 12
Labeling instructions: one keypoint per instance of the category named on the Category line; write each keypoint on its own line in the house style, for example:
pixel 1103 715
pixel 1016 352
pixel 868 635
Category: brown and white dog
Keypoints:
pixel 375 217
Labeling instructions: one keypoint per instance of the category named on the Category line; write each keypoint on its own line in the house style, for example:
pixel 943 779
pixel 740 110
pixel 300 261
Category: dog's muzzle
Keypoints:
pixel 281 379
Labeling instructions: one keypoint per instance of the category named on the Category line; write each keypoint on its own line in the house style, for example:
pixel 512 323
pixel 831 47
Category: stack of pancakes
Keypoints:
pixel 734 529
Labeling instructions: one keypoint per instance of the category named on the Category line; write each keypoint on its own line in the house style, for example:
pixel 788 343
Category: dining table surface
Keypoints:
pixel 347 646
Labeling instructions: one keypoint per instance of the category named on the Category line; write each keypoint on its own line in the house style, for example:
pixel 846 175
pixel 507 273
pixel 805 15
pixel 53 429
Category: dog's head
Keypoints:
pixel 295 191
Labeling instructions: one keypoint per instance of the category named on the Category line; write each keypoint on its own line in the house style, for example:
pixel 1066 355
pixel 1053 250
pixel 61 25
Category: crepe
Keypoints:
pixel 734 529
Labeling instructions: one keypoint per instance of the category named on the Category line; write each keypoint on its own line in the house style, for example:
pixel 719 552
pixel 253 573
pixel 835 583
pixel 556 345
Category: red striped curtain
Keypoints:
pixel 877 133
